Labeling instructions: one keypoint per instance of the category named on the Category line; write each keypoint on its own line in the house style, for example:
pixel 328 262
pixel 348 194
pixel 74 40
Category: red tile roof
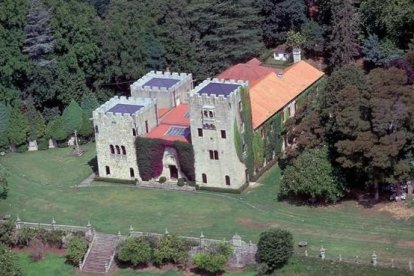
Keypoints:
pixel 160 132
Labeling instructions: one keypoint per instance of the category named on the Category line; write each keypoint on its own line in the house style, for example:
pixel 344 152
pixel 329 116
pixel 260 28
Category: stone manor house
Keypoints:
pixel 166 106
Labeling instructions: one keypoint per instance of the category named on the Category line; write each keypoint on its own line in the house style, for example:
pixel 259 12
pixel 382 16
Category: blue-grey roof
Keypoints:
pixel 125 108
pixel 161 82
pixel 217 89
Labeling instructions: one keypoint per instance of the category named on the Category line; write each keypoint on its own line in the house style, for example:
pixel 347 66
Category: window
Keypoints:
pixel 108 170
pixel 227 180
pixel 112 149
pixel 216 156
pixel 223 134
pixel 118 151
pixel 134 132
pixel 282 115
pixel 288 112
pixel 205 113
pixel 123 150
pixel 210 114
pixel 204 177
pixel 131 172
pixel 211 154
pixel 146 126
pixel 96 129
pixel 200 132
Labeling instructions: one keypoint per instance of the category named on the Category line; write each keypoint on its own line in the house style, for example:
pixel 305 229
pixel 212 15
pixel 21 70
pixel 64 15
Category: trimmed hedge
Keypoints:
pixel 114 180
pixel 224 190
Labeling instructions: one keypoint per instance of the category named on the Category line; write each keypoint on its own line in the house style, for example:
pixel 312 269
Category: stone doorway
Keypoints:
pixel 173 171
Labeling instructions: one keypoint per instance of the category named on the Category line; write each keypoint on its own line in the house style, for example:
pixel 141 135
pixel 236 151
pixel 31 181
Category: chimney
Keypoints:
pixel 296 55
pixel 279 73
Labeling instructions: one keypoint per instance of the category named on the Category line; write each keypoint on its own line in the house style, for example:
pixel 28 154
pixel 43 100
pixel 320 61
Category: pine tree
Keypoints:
pixel 89 103
pixel 36 121
pixel 55 129
pixel 72 118
pixel 343 44
pixel 86 129
pixel 4 124
pixel 19 126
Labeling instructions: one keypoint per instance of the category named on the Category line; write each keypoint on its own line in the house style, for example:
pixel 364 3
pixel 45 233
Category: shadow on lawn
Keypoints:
pixel 93 163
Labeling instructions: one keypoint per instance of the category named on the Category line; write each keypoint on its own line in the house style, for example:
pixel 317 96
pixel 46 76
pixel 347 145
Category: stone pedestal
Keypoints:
pixel 71 141
pixel 410 187
pixel 52 144
pixel 33 145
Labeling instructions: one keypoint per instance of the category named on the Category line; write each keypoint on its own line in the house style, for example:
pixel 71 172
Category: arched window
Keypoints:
pixel 108 170
pixel 118 151
pixel 227 180
pixel 96 129
pixel 216 155
pixel 204 177
pixel 111 148
pixel 210 113
pixel 123 150
pixel 131 172
pixel 205 113
pixel 134 132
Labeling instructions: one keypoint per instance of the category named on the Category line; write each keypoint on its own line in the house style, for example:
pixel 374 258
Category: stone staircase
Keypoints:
pixel 100 256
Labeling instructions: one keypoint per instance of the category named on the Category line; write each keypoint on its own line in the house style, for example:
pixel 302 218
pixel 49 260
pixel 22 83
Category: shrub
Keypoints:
pixel 8 262
pixel 135 251
pixel 4 185
pixel 171 249
pixel 38 249
pixel 7 232
pixel 54 238
pixel 181 182
pixel 274 248
pixel 77 248
pixel 42 144
pixel 162 179
pixel 21 148
pixel 24 236
pixel 212 263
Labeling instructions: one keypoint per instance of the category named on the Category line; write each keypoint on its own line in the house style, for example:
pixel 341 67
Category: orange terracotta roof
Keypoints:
pixel 162 112
pixel 177 116
pixel 272 93
pixel 251 72
pixel 161 132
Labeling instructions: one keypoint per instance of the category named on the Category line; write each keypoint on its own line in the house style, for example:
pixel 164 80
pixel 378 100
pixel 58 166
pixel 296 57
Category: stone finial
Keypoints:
pixel 236 240
pixel 119 234
pixel 131 230
pixel 166 232
pixel 322 252
pixel 374 259
pixel 89 225
pixel 340 257
pixel 392 263
pixel 18 221
pixel 357 259
pixel 202 240
pixel 53 223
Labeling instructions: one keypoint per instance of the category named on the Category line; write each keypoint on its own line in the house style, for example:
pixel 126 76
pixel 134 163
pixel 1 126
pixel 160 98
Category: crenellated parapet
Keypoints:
pixel 103 111
pixel 182 78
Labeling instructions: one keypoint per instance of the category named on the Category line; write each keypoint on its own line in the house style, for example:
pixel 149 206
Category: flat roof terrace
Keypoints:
pixel 125 108
pixel 161 82
pixel 215 88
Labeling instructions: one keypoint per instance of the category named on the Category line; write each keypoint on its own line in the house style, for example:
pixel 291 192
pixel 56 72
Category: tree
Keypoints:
pixel 281 16
pixel 343 44
pixel 314 37
pixel 86 129
pixel 4 187
pixel 89 103
pixel 171 249
pixel 379 52
pixel 77 248
pixel 319 182
pixel 4 124
pixel 295 39
pixel 72 118
pixel 36 121
pixel 8 262
pixel 210 262
pixel 19 125
pixel 55 129
pixel 135 251
pixel 274 248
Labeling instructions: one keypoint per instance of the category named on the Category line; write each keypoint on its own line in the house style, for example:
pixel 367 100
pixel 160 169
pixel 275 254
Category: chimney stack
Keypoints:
pixel 297 55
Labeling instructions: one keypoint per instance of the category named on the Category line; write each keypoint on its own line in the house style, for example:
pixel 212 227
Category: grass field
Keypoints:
pixel 51 265
pixel 42 187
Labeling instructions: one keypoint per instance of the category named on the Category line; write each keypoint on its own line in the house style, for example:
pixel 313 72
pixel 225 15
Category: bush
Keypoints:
pixel 77 248
pixel 212 263
pixel 54 238
pixel 42 144
pixel 38 249
pixel 4 185
pixel 162 179
pixel 7 232
pixel 274 248
pixel 181 182
pixel 135 251
pixel 24 236
pixel 21 148
pixel 8 262
pixel 171 249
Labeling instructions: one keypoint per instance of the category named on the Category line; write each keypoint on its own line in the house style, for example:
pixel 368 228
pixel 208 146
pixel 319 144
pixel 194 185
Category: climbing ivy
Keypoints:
pixel 238 142
pixel 248 130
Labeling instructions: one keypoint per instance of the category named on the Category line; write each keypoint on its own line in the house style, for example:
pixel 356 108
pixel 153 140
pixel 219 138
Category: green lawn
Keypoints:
pixel 42 187
pixel 51 265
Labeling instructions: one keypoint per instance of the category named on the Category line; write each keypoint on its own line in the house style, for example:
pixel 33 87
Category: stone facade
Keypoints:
pixel 167 97
pixel 216 134
pixel 115 135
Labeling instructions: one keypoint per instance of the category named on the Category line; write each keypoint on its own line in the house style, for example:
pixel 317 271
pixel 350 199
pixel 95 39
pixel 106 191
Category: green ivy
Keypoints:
pixel 258 149
pixel 237 142
pixel 248 130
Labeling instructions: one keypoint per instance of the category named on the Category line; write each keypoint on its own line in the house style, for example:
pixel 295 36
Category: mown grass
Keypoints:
pixel 42 187
pixel 50 265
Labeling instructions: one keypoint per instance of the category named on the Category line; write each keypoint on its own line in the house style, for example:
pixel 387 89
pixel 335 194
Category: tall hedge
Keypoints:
pixel 185 152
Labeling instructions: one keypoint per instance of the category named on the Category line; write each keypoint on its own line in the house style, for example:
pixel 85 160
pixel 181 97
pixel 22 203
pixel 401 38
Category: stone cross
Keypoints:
pixel 202 240
pixel 53 223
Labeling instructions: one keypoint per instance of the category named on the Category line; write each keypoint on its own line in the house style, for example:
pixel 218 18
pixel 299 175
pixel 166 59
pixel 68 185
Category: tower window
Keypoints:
pixel 227 180
pixel 216 155
pixel 96 129
pixel 118 150
pixel 112 149
pixel 107 170
pixel 131 172
pixel 223 134
pixel 200 132
pixel 123 150
pixel 204 177
pixel 205 113
pixel 146 126
pixel 211 154
pixel 210 114
pixel 134 132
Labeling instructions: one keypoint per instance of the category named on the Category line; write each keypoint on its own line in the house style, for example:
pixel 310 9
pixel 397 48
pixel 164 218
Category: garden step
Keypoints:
pixel 102 250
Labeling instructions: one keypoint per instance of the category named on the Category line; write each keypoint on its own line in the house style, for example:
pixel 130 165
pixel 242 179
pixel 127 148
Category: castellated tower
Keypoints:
pixel 117 123
pixel 215 107
pixel 170 89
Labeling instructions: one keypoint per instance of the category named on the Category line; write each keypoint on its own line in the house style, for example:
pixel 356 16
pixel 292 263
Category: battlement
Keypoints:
pixel 159 81
pixel 115 107
pixel 216 91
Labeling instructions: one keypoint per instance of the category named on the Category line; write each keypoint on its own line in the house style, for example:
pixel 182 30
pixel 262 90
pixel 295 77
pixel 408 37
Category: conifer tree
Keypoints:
pixel 4 124
pixel 18 128
pixel 55 129
pixel 72 118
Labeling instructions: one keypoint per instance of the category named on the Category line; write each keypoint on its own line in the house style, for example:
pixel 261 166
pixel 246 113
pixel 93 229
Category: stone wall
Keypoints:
pixel 117 130
pixel 166 97
pixel 226 112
